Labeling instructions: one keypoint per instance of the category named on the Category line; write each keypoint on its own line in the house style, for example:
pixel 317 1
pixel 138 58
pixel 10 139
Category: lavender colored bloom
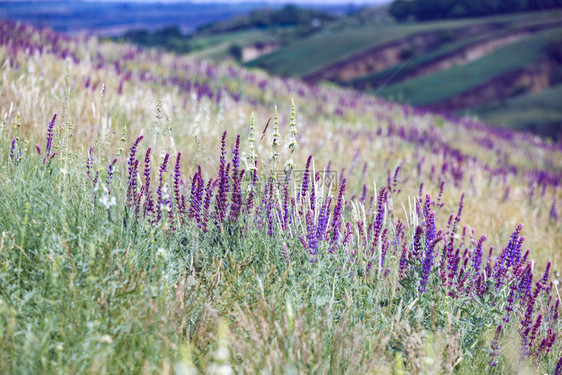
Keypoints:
pixel 311 235
pixel 49 144
pixel 206 205
pixel 89 162
pixel 427 262
pixel 535 330
pixel 132 178
pixel 395 180
pixel 429 229
pixel 417 242
pixel 159 191
pixel 348 235
pixel 558 369
pixel 528 319
pixel 553 213
pixel 268 210
pixel 13 148
pixel 306 177
pixel 323 217
pixel 195 203
pixel 363 194
pixel 177 181
pixel 221 200
pixel 110 171
pixel 378 219
pixel 148 204
pixel 285 213
pixel 439 203
pixel 513 249
pixel 336 219
pixel 494 346
pixel 236 181
pixel 403 271
pixel 313 194
pixel 546 272
pixel 477 256
pixel 509 306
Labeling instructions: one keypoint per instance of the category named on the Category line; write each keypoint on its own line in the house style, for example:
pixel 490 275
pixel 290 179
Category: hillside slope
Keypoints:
pixel 162 215
pixel 435 64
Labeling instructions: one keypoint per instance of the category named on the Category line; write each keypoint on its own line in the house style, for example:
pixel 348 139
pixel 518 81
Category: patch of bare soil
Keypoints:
pixel 254 51
pixel 525 81
pixel 395 52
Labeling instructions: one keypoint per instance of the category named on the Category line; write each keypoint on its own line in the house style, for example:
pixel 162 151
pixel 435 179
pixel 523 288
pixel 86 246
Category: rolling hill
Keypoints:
pixel 453 65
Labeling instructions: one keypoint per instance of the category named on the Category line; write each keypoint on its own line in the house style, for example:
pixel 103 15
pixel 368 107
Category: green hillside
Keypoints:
pixel 306 56
pixel 450 65
pixel 442 85
pixel 540 112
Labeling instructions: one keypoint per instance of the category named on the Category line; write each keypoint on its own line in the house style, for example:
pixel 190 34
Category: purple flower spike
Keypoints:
pixel 236 182
pixel 206 205
pixel 159 192
pixel 558 369
pixel 336 220
pixel 495 346
pixel 177 181
pixel 306 177
pixel 221 200
pixel 13 148
pixel 89 162
pixel 132 179
pixel 477 256
pixel 110 171
pixel 378 219
pixel 311 235
pixel 546 272
pixel 49 144
pixel 417 242
pixel 427 262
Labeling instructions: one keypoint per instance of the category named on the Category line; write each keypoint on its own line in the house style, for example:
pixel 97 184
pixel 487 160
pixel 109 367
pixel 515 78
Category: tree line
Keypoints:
pixel 423 10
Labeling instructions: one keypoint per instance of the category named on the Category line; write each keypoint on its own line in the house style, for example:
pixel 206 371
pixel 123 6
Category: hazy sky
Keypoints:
pixel 258 1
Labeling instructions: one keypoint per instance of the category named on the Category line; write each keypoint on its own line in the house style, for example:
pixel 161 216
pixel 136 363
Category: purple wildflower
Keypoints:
pixel 403 264
pixel 110 171
pixel 221 200
pixel 336 219
pixel 477 256
pixel 311 235
pixel 558 369
pixel 159 191
pixel 177 181
pixel 417 242
pixel 236 181
pixel 132 179
pixel 306 177
pixel 89 162
pixel 494 346
pixel 323 217
pixel 206 205
pixel 427 262
pixel 378 219
pixel 49 144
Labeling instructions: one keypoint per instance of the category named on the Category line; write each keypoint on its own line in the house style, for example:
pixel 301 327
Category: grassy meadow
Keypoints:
pixel 164 215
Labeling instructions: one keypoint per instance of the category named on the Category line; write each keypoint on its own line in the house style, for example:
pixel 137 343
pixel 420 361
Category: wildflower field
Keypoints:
pixel 161 215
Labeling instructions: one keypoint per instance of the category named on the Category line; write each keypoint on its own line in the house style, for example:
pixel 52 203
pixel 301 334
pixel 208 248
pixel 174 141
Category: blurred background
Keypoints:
pixel 499 60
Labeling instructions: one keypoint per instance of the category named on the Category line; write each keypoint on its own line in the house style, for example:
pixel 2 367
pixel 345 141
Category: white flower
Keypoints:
pixel 107 339
pixel 107 201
